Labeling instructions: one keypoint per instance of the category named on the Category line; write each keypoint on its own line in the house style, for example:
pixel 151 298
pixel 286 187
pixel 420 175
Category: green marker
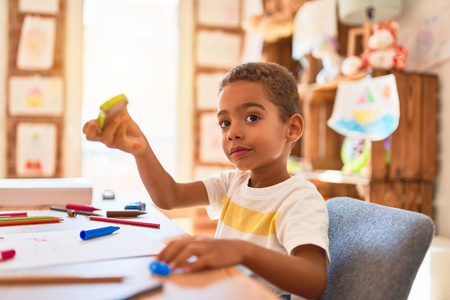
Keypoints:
pixel 110 109
pixel 27 218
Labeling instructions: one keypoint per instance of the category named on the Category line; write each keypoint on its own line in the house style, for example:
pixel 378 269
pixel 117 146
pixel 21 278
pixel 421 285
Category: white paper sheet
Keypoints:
pixel 211 144
pixel 43 249
pixel 366 109
pixel 37 43
pixel 207 90
pixel 427 39
pixel 218 49
pixel 35 95
pixel 219 12
pixel 36 149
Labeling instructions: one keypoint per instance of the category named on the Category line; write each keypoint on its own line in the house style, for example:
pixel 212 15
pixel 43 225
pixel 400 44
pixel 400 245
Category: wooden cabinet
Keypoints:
pixel 402 169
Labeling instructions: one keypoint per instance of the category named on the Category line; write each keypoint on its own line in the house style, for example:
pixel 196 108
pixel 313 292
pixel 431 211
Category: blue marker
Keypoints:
pixel 160 268
pixel 94 233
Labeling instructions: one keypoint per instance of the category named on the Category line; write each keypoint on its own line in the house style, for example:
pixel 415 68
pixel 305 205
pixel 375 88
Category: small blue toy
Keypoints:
pixel 160 268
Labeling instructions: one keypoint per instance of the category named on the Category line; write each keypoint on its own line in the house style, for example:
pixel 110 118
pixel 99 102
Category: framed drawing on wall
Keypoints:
pixel 210 150
pixel 207 87
pixel 220 49
pixel 36 149
pixel 222 13
pixel 35 95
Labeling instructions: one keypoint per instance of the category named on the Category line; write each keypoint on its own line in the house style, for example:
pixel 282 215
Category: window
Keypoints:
pixel 130 47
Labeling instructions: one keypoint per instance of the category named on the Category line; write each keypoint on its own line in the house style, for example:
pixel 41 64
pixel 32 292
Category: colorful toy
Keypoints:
pixel 383 52
pixel 331 60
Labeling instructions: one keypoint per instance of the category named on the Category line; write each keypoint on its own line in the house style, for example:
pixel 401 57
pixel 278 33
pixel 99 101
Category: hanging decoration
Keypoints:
pixel 366 109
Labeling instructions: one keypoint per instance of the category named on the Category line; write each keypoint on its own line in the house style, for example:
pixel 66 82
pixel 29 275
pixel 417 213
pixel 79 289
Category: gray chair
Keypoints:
pixel 375 250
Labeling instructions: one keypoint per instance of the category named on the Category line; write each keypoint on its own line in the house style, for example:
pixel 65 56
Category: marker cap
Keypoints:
pixel 160 268
pixel 94 233
pixel 7 254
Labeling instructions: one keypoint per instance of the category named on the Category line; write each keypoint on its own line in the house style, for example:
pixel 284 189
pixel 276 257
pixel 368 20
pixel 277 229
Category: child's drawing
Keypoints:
pixel 36 149
pixel 428 41
pixel 41 249
pixel 366 109
pixel 32 95
pixel 37 43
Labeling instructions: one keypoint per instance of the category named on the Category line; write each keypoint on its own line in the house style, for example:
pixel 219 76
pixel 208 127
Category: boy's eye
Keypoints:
pixel 252 118
pixel 224 124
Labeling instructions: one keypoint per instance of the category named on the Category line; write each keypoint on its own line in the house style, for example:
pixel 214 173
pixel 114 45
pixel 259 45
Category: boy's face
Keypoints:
pixel 253 136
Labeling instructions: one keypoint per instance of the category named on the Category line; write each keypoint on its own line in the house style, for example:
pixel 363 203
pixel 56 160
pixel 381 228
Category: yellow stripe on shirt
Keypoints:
pixel 248 220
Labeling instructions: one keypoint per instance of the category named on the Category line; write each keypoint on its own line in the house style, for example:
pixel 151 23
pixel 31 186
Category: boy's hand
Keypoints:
pixel 122 133
pixel 210 253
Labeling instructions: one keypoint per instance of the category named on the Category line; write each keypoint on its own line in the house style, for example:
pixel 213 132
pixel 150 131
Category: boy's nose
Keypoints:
pixel 234 133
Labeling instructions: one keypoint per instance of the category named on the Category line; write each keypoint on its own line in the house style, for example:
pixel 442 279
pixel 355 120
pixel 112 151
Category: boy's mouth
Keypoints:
pixel 239 151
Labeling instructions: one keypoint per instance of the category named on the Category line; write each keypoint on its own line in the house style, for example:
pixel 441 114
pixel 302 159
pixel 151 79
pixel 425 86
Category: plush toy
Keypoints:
pixel 382 52
pixel 331 60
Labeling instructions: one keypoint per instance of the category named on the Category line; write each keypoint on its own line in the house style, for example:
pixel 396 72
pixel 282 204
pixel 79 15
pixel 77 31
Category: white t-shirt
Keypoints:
pixel 280 217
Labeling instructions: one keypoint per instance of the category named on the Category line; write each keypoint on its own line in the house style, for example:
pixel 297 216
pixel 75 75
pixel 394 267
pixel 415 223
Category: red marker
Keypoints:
pixel 13 214
pixel 81 207
pixel 127 222
pixel 7 254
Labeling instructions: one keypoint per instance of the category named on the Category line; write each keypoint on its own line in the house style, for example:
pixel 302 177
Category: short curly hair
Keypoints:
pixel 277 81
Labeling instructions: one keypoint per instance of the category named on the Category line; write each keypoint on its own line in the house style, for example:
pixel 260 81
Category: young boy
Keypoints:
pixel 271 222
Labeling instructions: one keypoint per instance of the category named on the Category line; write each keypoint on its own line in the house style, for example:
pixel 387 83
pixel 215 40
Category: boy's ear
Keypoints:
pixel 295 128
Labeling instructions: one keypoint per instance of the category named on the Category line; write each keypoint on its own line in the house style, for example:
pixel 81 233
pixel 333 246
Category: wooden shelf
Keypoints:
pixel 334 176
pixel 407 178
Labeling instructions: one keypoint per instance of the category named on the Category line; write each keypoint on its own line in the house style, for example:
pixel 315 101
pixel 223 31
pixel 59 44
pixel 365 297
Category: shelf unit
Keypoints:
pixel 407 180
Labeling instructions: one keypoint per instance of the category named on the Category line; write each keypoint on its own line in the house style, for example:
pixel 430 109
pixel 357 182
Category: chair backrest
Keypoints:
pixel 375 250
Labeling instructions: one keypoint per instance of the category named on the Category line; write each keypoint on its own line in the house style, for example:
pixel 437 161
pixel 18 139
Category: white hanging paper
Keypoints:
pixel 207 90
pixel 211 145
pixel 37 43
pixel 39 6
pixel 35 95
pixel 226 13
pixel 36 149
pixel 366 109
pixel 218 49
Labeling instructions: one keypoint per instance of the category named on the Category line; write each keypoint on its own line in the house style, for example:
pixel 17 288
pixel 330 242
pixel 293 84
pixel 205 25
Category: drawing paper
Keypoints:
pixel 41 249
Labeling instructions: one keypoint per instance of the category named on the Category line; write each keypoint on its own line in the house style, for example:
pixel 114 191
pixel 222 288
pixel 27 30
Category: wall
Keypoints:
pixel 415 11
pixel 3 67
pixel 74 46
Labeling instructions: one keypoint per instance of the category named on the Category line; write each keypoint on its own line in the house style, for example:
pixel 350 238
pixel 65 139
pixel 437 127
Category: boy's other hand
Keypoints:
pixel 122 133
pixel 210 253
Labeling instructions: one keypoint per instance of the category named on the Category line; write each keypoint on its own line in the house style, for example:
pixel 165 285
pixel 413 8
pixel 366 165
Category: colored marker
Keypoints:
pixel 127 222
pixel 95 233
pixel 80 212
pixel 13 214
pixel 126 213
pixel 34 221
pixel 81 207
pixel 159 268
pixel 26 218
pixel 7 254
pixel 42 279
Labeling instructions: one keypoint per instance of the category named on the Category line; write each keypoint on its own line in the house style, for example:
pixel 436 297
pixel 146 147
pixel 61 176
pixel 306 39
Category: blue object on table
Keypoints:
pixel 160 268
pixel 136 205
pixel 94 233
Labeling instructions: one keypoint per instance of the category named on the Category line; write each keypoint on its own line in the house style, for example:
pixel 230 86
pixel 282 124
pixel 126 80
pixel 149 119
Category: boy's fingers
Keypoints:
pixel 197 265
pixel 181 259
pixel 90 129
pixel 172 249
pixel 110 131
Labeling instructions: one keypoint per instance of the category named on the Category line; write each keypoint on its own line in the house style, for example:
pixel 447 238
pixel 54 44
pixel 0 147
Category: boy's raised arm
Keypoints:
pixel 124 134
